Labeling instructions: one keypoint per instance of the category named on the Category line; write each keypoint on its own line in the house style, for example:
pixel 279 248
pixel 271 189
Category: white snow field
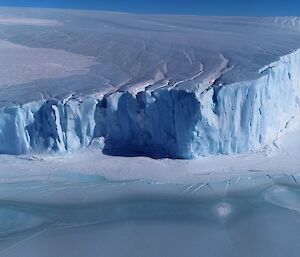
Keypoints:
pixel 132 135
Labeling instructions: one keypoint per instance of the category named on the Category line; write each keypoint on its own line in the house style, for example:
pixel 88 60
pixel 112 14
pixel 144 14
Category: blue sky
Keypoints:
pixel 201 7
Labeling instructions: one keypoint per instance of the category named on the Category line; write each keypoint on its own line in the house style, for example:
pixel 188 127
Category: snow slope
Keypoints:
pixel 163 86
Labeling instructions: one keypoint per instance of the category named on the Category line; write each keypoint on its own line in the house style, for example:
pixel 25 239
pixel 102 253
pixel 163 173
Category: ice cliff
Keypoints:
pixel 176 123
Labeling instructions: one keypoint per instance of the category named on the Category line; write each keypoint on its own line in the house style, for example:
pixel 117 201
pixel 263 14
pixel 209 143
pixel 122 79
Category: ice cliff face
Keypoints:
pixel 176 123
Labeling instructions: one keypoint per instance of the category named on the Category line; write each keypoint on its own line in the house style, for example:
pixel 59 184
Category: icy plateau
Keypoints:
pixel 160 86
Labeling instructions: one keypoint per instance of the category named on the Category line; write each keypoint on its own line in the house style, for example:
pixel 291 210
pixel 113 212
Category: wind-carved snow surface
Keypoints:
pixel 166 122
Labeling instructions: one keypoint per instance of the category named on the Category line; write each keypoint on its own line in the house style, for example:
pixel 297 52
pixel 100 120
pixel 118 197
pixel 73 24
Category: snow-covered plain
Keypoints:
pixel 87 99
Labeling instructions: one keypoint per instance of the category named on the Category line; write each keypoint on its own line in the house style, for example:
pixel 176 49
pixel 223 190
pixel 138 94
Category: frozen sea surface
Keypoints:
pixel 76 215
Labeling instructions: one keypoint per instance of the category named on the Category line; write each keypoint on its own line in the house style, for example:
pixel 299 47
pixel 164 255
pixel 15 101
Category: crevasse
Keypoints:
pixel 176 123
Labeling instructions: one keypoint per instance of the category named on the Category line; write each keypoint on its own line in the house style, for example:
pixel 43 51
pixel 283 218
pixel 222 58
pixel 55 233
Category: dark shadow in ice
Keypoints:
pixel 155 153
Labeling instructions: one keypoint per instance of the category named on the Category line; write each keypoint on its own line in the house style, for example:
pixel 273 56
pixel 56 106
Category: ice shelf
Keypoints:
pixel 161 86
pixel 176 123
